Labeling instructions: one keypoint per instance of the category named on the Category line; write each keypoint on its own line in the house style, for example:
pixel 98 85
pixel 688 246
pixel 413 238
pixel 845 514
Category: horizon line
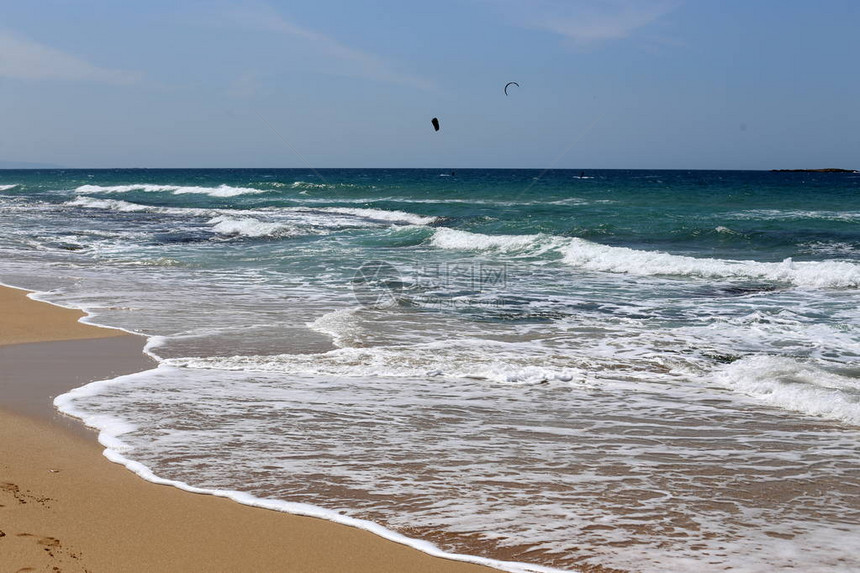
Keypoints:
pixel 781 169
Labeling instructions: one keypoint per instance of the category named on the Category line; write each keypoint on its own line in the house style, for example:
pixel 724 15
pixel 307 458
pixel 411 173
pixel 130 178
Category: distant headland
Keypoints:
pixel 827 170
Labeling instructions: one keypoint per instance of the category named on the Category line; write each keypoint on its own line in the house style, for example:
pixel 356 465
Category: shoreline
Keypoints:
pixel 63 504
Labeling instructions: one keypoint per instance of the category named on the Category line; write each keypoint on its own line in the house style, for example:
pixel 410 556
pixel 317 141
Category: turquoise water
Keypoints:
pixel 770 215
pixel 626 368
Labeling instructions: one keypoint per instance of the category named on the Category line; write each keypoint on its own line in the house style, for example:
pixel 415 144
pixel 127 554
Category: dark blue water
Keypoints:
pixel 768 215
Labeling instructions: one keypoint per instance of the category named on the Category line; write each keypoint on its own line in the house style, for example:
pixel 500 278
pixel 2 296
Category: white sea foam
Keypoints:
pixel 111 429
pixel 725 230
pixel 220 191
pixel 572 201
pixel 296 221
pixel 791 214
pixel 819 274
pixel 109 204
pixel 324 216
pixel 493 362
pixel 382 215
pixel 7 187
pixel 129 207
pixel 445 238
pixel 831 248
pixel 308 185
pixel 251 227
pixel 269 222
pixel 604 258
pixel 794 385
pixel 487 463
pixel 341 325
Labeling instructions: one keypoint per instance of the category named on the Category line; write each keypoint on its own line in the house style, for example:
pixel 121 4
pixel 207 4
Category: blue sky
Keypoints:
pixel 652 84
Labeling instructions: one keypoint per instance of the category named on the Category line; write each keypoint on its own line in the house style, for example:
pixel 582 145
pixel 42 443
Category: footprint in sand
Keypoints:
pixel 54 556
pixel 48 543
pixel 23 497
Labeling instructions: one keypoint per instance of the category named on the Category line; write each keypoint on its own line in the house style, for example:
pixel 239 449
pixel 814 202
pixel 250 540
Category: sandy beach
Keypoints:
pixel 64 507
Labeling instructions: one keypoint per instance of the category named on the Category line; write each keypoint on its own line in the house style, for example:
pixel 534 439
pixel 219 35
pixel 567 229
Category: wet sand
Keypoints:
pixel 64 507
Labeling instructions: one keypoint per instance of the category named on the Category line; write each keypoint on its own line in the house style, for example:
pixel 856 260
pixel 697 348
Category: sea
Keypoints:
pixel 541 370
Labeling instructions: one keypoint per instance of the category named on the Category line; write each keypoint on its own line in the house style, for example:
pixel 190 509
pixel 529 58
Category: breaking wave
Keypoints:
pixel 794 385
pixel 254 228
pixel 267 222
pixel 591 256
pixel 220 191
pixel 401 217
pixel 129 207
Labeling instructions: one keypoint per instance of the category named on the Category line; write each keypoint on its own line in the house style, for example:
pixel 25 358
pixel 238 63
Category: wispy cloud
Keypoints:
pixel 587 22
pixel 259 16
pixel 21 58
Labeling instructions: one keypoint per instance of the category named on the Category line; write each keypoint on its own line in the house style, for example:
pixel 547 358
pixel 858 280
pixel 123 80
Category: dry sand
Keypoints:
pixel 64 507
